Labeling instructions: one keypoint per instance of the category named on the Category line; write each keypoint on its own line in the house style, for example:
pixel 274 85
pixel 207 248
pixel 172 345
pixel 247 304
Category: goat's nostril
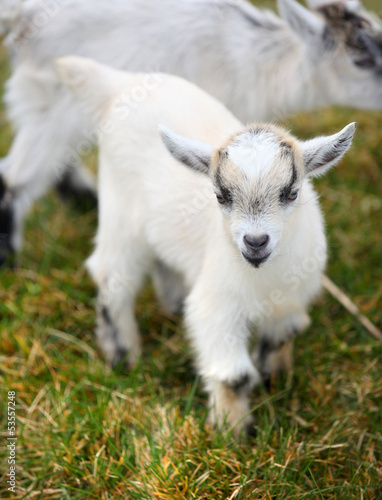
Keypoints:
pixel 256 242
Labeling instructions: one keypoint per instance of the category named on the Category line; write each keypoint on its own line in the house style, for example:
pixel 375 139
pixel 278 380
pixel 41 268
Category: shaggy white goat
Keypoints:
pixel 258 65
pixel 237 256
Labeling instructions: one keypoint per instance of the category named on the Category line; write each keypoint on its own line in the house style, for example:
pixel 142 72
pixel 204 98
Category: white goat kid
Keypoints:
pixel 259 220
pixel 258 65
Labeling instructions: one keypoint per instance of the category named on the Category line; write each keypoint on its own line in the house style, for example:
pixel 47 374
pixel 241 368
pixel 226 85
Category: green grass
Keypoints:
pixel 88 433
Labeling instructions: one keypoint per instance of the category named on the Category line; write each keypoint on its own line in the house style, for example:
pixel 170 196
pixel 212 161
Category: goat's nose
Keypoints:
pixel 256 242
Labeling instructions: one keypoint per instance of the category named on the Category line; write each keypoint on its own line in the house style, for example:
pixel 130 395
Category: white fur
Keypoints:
pixel 141 190
pixel 302 21
pixel 10 13
pixel 254 155
pixel 353 4
pixel 260 66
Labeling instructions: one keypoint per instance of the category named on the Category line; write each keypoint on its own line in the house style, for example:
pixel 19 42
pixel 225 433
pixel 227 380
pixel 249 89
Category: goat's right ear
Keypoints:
pixel 305 23
pixel 194 154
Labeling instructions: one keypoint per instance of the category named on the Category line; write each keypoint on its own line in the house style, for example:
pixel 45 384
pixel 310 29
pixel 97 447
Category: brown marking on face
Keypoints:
pixel 343 23
pixel 356 33
pixel 259 194
pixel 281 135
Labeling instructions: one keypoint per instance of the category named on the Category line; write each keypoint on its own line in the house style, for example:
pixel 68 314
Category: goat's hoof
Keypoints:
pixel 120 362
pixel 245 431
pixel 8 260
pixel 81 198
pixel 86 201
pixel 250 430
pixel 267 382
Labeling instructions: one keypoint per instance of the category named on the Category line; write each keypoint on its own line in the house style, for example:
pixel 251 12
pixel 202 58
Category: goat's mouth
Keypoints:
pixel 256 261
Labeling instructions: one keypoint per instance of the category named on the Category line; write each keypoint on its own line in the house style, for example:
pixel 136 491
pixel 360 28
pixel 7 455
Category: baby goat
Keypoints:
pixel 259 65
pixel 232 257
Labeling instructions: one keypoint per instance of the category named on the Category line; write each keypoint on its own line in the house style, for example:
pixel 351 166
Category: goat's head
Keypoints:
pixel 257 176
pixel 344 42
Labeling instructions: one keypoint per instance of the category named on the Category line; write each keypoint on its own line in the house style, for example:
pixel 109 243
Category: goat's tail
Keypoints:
pixel 10 15
pixel 93 83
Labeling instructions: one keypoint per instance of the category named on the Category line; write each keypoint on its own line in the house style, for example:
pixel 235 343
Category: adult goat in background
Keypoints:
pixel 259 65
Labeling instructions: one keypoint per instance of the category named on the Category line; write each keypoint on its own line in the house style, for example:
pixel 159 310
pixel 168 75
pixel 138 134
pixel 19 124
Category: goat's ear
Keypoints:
pixel 194 154
pixel 353 4
pixel 313 4
pixel 322 153
pixel 305 23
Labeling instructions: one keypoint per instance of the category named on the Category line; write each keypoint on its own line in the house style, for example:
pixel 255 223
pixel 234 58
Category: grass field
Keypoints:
pixel 85 432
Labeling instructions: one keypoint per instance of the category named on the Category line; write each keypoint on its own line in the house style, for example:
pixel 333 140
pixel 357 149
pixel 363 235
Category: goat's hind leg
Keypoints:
pixel 117 330
pixel 169 287
pixel 274 353
pixel 273 358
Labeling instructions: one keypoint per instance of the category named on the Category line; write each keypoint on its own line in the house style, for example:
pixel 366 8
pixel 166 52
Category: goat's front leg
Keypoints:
pixel 219 334
pixel 229 404
pixel 274 352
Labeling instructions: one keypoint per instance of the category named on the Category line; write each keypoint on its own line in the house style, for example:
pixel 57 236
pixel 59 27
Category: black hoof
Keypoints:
pixel 251 431
pixel 81 198
pixel 120 363
pixel 267 383
pixel 7 259
pixel 238 384
pixel 7 254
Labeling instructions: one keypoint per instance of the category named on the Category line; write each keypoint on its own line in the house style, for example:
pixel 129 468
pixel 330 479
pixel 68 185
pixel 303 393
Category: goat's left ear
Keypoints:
pixel 322 153
pixel 305 23
pixel 194 154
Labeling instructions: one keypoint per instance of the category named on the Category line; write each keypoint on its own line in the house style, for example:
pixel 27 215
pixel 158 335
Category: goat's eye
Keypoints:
pixel 221 200
pixel 293 195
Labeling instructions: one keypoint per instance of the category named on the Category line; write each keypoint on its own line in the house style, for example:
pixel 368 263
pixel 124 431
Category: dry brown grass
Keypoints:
pixel 85 432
